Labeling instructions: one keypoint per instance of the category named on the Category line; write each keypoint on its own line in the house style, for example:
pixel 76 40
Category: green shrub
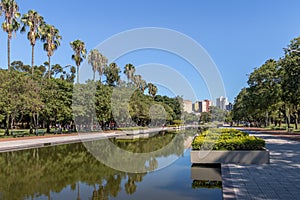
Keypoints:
pixel 227 139
pixel 132 128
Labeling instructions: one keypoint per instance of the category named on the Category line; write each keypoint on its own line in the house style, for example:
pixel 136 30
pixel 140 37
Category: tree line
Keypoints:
pixel 272 95
pixel 42 96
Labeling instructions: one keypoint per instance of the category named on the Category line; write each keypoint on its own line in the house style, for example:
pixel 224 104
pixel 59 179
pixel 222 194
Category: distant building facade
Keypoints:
pixel 229 107
pixel 196 107
pixel 221 102
pixel 187 106
pixel 202 106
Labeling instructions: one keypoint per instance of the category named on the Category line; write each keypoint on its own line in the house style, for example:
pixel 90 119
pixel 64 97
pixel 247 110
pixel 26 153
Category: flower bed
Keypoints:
pixel 228 146
pixel 227 139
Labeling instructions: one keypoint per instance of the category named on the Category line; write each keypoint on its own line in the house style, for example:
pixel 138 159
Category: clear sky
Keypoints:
pixel 239 35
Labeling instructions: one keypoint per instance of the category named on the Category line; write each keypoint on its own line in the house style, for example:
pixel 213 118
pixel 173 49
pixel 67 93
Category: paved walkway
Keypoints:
pixel 278 180
pixel 33 142
pixel 13 144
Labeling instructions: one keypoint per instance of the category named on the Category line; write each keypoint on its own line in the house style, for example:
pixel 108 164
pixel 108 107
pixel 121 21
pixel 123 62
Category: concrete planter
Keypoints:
pixel 236 157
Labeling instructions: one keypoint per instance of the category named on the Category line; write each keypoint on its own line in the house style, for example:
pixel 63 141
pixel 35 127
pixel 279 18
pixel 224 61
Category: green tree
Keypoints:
pixel 264 88
pixel 98 62
pixel 129 71
pixel 11 12
pixel 51 39
pixel 139 82
pixel 35 22
pixel 79 54
pixel 57 97
pixel 291 80
pixel 152 89
pixel 112 74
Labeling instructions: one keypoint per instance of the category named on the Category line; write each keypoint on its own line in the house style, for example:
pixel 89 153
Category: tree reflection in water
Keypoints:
pixel 33 173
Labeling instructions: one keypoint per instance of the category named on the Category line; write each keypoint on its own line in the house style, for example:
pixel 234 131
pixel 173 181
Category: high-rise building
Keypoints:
pixel 206 105
pixel 221 102
pixel 229 107
pixel 187 106
pixel 196 106
pixel 202 106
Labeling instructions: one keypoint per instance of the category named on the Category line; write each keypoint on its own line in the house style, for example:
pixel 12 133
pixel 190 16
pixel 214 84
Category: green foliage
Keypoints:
pixel 51 38
pixel 79 54
pixel 227 139
pixel 273 90
pixel 98 62
pixel 112 74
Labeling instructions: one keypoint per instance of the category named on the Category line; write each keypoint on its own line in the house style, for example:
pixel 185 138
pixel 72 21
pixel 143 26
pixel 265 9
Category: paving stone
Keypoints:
pixel 278 180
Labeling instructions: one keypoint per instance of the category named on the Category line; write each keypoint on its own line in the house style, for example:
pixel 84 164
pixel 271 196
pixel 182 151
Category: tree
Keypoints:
pixel 112 74
pixel 35 22
pixel 291 81
pixel 11 12
pixel 152 89
pixel 98 62
pixel 264 87
pixel 129 70
pixel 139 82
pixel 79 54
pixel 51 39
pixel 20 97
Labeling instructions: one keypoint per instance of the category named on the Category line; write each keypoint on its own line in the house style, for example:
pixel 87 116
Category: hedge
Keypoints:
pixel 227 139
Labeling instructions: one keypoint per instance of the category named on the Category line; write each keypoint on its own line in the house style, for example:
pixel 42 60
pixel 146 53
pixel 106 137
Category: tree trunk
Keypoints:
pixel 296 120
pixel 267 119
pixel 8 53
pixel 77 74
pixel 7 125
pixel 49 72
pixel 94 75
pixel 48 127
pixel 32 59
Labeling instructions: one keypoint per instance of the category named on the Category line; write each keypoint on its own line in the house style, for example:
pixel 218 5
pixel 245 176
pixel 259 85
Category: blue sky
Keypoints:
pixel 238 35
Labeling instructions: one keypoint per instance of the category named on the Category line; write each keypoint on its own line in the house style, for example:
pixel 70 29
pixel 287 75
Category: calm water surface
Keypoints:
pixel 72 172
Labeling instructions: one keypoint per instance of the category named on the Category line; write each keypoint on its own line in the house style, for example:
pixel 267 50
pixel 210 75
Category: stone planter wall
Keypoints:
pixel 225 157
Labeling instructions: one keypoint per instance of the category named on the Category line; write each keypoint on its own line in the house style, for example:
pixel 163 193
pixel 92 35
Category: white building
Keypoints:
pixel 187 106
pixel 221 102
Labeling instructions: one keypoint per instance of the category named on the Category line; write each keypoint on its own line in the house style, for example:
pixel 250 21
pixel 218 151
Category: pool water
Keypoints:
pixel 72 172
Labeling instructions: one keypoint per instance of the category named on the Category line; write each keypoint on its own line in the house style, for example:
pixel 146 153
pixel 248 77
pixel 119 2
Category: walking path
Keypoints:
pixel 33 142
pixel 278 180
pixel 13 144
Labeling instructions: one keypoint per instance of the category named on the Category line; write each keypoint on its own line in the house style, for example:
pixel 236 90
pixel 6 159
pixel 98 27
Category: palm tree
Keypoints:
pixel 112 74
pixel 35 22
pixel 129 70
pixel 139 82
pixel 79 53
pixel 51 39
pixel 152 89
pixel 11 12
pixel 98 62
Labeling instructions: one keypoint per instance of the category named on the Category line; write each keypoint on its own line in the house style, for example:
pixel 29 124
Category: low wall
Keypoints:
pixel 225 157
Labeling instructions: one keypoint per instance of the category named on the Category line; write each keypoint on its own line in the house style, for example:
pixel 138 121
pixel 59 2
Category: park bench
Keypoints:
pixel 58 131
pixel 39 132
pixel 16 134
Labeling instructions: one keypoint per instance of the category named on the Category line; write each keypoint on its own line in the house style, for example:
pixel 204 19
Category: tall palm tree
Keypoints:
pixel 51 39
pixel 11 12
pixel 112 74
pixel 152 89
pixel 35 22
pixel 79 54
pixel 98 62
pixel 129 70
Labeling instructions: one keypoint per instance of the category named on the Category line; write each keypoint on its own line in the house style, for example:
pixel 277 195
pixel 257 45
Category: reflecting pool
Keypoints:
pixel 74 172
